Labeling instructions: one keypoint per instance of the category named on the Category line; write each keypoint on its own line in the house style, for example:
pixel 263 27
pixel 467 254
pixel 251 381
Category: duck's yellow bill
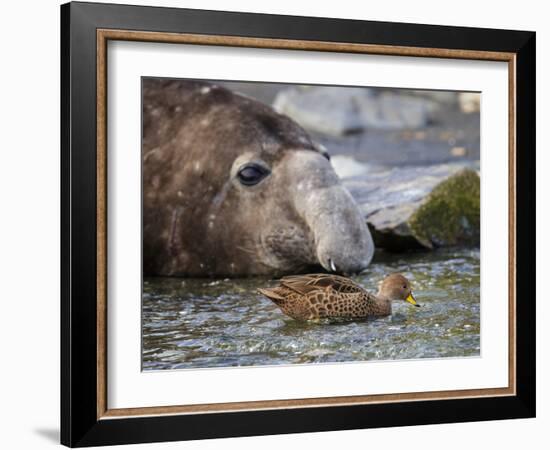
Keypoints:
pixel 411 300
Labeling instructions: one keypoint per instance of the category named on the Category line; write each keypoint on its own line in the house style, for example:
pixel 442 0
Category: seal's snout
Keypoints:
pixel 329 265
pixel 343 243
pixel 349 264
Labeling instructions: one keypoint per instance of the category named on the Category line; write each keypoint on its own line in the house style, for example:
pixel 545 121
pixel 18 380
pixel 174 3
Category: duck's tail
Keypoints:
pixel 273 294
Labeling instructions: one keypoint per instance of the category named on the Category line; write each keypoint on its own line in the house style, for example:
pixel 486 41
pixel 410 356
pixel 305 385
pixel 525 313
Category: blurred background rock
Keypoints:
pixel 409 157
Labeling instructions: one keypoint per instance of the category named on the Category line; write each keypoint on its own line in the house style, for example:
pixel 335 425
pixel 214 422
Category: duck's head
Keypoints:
pixel 397 287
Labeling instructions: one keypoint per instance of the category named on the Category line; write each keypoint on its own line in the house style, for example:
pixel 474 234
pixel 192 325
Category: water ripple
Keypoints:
pixel 203 323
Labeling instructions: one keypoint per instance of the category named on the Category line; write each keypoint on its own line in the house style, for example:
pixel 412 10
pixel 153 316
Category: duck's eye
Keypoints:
pixel 251 174
pixel 405 287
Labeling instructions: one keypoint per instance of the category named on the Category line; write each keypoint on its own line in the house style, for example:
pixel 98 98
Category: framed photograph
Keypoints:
pixel 276 224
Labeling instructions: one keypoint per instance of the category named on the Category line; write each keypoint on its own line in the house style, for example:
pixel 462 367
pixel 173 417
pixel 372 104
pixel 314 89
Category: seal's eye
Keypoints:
pixel 252 174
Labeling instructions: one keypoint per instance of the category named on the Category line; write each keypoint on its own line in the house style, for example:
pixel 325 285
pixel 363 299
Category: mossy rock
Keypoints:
pixel 450 214
pixel 419 207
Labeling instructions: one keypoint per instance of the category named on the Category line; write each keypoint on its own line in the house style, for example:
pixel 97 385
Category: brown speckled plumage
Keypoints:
pixel 318 296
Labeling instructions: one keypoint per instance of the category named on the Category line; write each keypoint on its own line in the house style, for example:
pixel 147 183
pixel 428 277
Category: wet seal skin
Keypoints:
pixel 232 188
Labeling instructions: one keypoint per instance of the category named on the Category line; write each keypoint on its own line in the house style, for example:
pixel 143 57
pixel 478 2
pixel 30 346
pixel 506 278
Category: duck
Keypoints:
pixel 328 296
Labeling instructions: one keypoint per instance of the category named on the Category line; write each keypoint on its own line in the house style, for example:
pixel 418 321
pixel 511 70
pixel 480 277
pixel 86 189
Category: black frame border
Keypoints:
pixel 79 423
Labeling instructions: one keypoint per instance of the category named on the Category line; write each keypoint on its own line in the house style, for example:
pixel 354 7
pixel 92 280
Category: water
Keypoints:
pixel 192 323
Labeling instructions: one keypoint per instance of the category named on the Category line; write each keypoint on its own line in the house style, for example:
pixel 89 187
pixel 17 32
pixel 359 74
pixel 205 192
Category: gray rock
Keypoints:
pixel 416 207
pixel 336 111
pixel 446 97
pixel 328 110
pixel 469 102
pixel 392 111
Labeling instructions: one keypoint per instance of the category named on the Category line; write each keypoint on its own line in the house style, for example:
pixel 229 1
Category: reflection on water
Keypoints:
pixel 190 323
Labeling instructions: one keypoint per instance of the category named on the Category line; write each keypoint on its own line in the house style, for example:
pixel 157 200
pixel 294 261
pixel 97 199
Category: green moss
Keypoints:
pixel 450 214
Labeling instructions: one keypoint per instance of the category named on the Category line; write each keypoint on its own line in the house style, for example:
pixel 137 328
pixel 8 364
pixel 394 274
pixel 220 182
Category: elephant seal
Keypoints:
pixel 231 188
